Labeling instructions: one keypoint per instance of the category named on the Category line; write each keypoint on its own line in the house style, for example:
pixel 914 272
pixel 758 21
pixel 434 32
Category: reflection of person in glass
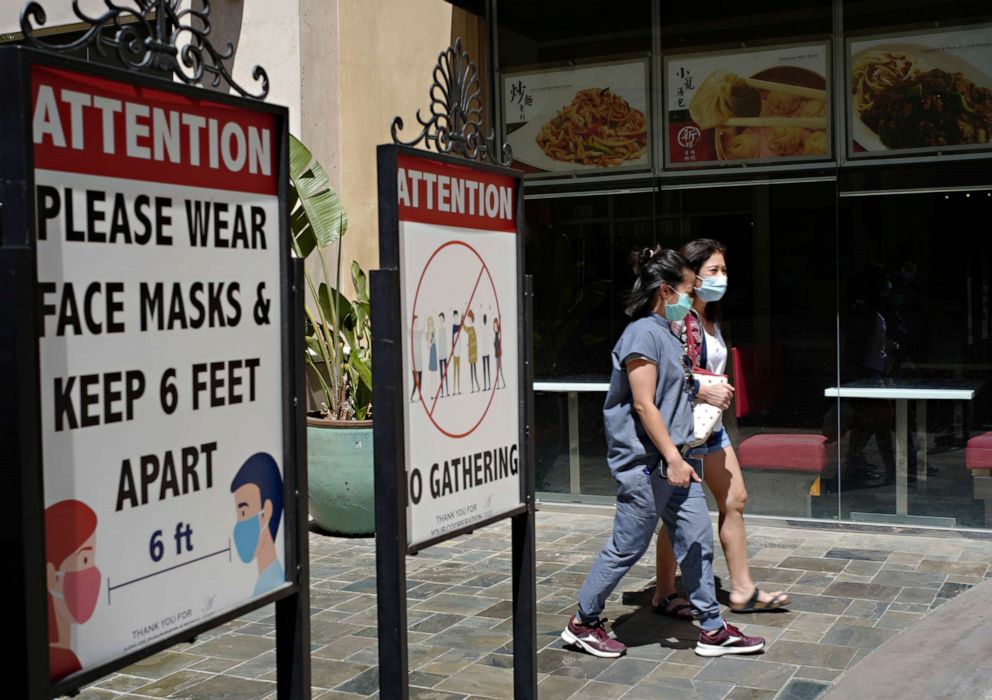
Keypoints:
pixel 866 357
pixel 257 490
pixel 72 579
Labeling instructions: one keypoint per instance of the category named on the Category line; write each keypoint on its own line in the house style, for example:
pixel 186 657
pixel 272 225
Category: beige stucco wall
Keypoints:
pixel 388 50
pixel 344 68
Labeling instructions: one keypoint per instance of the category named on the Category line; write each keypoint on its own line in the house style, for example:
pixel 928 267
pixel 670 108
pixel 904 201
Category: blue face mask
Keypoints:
pixel 246 537
pixel 678 310
pixel 713 288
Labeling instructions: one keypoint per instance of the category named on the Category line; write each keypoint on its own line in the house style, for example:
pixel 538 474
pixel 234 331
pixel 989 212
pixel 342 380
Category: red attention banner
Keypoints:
pixel 94 126
pixel 432 192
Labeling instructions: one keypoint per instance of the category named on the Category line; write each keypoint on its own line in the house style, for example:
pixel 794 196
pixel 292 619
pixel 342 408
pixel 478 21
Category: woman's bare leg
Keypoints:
pixel 723 476
pixel 665 566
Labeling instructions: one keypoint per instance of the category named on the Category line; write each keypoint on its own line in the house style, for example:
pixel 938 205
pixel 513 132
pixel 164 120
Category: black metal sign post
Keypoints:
pixel 21 320
pixel 452 127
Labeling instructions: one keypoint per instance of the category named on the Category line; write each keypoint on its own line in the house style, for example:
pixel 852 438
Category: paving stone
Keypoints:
pixel 169 662
pixel 741 693
pixel 909 579
pixel 818 604
pixel 327 673
pixel 229 688
pixel 919 596
pixel 909 607
pixel 857 636
pixel 365 683
pixel 750 672
pixel 871 591
pixel 817 673
pixel 595 690
pixel 861 567
pixel 97 694
pixel 872 609
pixel 425 680
pixel 458 604
pixel 259 667
pixel 813 564
pixel 799 689
pixel 172 685
pixel 951 590
pixel 805 654
pixel 628 672
pixel 896 620
pixel 426 694
pixel 951 568
pixel 484 681
pixel 213 664
pixel 503 610
pixel 436 622
pixel 559 662
pixel 661 688
pixel 864 554
pixel 765 575
pixel 559 687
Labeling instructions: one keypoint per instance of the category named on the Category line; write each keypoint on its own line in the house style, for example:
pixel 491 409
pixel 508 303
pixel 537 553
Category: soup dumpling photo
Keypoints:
pixel 742 146
pixel 785 140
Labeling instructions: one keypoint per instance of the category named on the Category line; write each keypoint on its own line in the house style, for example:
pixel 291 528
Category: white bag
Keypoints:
pixel 705 416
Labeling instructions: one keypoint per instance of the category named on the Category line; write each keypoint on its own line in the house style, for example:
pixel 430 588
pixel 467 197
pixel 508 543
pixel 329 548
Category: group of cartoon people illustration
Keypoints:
pixel 73 580
pixel 444 344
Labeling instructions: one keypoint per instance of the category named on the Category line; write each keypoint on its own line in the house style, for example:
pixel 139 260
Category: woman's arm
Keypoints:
pixel 643 378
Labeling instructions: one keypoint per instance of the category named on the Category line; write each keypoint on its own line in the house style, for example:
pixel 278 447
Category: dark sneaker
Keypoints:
pixel 729 640
pixel 593 638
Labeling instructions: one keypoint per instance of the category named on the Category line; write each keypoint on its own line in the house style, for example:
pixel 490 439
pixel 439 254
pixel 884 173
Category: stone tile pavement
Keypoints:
pixel 851 592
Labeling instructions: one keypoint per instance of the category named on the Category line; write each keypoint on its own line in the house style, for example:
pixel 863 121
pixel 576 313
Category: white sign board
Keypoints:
pixel 158 261
pixel 459 293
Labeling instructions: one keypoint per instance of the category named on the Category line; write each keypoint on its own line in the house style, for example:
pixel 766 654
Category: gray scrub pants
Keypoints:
pixel 642 498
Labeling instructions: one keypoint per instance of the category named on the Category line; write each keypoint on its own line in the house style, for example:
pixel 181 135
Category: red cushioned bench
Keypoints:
pixel 978 459
pixel 782 471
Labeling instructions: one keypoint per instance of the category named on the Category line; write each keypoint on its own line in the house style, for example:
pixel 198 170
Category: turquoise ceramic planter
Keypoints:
pixel 341 475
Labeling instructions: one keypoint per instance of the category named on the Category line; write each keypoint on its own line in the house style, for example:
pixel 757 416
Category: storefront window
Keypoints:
pixel 859 298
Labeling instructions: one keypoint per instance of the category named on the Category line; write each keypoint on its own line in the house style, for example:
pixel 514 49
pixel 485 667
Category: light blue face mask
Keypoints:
pixel 713 288
pixel 246 537
pixel 678 310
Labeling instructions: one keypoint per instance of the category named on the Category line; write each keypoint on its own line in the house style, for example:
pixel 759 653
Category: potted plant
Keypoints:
pixel 338 356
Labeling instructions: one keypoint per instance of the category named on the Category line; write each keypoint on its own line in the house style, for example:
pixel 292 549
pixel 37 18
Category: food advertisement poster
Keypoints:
pixel 587 119
pixel 920 92
pixel 158 265
pixel 756 106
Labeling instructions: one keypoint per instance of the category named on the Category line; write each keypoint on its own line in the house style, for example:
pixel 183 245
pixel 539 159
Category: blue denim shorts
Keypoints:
pixel 717 442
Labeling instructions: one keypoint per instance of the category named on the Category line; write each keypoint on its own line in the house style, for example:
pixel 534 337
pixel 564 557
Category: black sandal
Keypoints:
pixel 683 611
pixel 754 605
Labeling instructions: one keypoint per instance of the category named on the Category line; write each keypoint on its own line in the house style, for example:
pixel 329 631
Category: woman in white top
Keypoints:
pixel 721 470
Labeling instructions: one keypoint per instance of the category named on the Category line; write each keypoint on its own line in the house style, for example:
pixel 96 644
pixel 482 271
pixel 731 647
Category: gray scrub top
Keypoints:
pixel 628 444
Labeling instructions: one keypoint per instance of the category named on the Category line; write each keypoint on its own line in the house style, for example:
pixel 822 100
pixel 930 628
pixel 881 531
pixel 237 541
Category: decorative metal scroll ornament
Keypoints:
pixel 151 34
pixel 454 123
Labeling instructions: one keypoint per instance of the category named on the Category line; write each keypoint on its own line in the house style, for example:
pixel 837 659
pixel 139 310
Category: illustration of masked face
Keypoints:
pixel 246 534
pixel 80 592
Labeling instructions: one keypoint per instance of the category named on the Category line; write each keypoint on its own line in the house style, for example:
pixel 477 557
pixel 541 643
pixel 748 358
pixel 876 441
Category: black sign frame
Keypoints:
pixel 391 487
pixel 20 407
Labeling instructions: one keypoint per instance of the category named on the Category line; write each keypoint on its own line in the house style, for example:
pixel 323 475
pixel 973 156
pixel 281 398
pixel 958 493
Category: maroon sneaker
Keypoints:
pixel 593 638
pixel 729 640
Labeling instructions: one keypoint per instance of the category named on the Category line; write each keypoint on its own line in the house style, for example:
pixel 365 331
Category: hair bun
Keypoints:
pixel 644 256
